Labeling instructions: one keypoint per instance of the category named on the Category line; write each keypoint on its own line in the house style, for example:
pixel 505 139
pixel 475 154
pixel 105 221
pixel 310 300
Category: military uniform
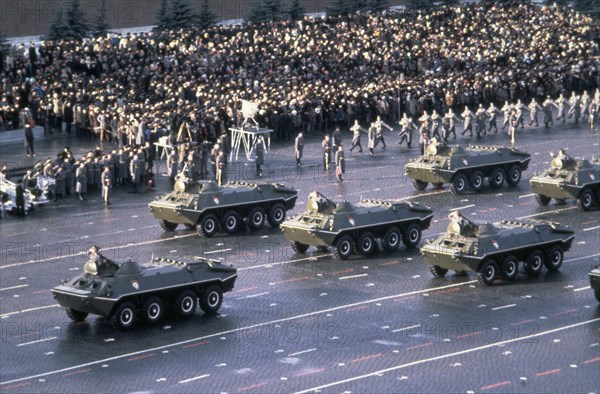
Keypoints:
pixel 467 121
pixel 533 108
pixel 548 104
pixel 340 164
pixel 406 130
pixel 356 130
pixel 259 151
pixel 299 148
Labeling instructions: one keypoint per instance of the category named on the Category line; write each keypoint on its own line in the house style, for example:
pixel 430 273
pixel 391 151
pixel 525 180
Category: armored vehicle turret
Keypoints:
pixel 121 291
pixel 352 228
pixel 467 168
pixel 569 178
pixel 594 275
pixel 494 250
pixel 211 208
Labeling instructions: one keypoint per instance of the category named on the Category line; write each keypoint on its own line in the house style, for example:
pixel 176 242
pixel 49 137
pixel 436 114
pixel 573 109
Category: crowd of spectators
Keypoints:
pixel 305 75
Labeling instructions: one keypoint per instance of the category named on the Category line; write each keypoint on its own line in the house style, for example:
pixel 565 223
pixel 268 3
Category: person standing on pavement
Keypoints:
pixel 548 104
pixel 20 198
pixel 59 184
pixel 326 146
pixel 172 167
pixel 220 163
pixel 336 137
pixel 533 108
pixel 299 148
pixel 340 165
pixel 371 135
pixel 106 185
pixel 81 181
pixel 28 135
pixel 259 151
pixel 135 172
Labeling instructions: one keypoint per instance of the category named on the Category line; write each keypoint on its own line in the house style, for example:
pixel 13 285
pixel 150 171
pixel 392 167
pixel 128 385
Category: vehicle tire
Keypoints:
pixel 585 202
pixel 542 200
pixel 514 176
pixel 497 177
pixel 76 316
pixel 343 247
pixel 412 235
pixel 207 226
pixel 419 185
pixel 437 271
pixel 487 273
pixel 190 226
pixel 299 248
pixel 153 309
pixel 231 222
pixel 256 218
pixel 391 239
pixel 124 315
pixel 185 303
pixel 459 184
pixel 477 181
pixel 534 263
pixel 438 185
pixel 276 215
pixel 366 245
pixel 211 299
pixel 167 226
pixel 510 268
pixel 555 258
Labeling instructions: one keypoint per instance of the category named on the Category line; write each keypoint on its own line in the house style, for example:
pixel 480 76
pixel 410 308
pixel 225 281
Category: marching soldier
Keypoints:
pixel 575 110
pixel 548 104
pixel 220 163
pixel 585 103
pixel 406 129
pixel 435 125
pixel 448 124
pixel 336 138
pixel 533 108
pixel 340 165
pixel 356 130
pixel 518 107
pixel 506 109
pixel 172 167
pixel 299 148
pixel 480 116
pixel 326 145
pixel 467 121
pixel 259 151
pixel 106 185
pixel 560 104
pixel 425 122
pixel 371 133
pixel 492 112
pixel 379 131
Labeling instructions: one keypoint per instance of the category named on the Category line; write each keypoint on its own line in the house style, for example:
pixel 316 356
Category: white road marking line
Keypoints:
pixel 39 340
pixel 231 331
pixel 583 288
pixel 503 307
pixel 591 228
pixel 13 287
pixel 527 195
pixel 545 213
pixel 406 328
pixel 2 316
pixel 302 352
pixel 582 257
pixel 218 251
pixel 352 276
pixel 269 265
pixel 253 296
pixel 459 208
pixel 445 356
pixel 196 378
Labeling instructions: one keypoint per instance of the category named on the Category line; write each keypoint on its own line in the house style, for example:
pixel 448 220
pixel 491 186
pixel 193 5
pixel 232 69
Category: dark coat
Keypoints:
pixel 259 151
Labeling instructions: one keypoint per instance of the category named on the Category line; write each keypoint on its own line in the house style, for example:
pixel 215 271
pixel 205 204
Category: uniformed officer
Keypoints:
pixel 340 165
pixel 506 109
pixel 81 181
pixel 492 112
pixel 326 146
pixel 533 108
pixel 467 121
pixel 575 110
pixel 448 124
pixel 480 116
pixel 406 130
pixel 220 163
pixel 106 185
pixel 371 138
pixel 336 138
pixel 379 124
pixel 435 125
pixel 259 151
pixel 561 104
pixel 548 104
pixel 299 148
pixel 356 130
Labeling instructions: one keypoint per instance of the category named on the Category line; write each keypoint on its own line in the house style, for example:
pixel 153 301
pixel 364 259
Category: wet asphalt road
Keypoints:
pixel 300 323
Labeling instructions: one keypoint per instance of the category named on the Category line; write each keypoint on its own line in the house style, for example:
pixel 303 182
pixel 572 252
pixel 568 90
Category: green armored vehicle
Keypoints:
pixel 494 250
pixel 122 291
pixel 210 207
pixel 467 168
pixel 595 281
pixel 569 178
pixel 355 228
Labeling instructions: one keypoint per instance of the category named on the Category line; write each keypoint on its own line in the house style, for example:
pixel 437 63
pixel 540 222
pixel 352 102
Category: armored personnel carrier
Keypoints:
pixel 494 250
pixel 122 291
pixel 354 228
pixel 569 178
pixel 595 281
pixel 467 168
pixel 211 208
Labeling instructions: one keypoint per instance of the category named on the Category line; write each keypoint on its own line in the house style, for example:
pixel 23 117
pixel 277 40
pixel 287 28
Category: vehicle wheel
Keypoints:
pixel 438 185
pixel 299 248
pixel 231 222
pixel 477 181
pixel 585 202
pixel 190 226
pixel 167 226
pixel 276 215
pixel 510 268
pixel 412 235
pixel 514 176
pixel 185 303
pixel 322 249
pixel 497 177
pixel 153 309
pixel 211 299
pixel 343 247
pixel 459 184
pixel 391 239
pixel 256 218
pixel 533 264
pixel 419 185
pixel 487 273
pixel 123 317
pixel 366 244
pixel 542 200
pixel 555 258
pixel 207 226
pixel 437 271
pixel 76 316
